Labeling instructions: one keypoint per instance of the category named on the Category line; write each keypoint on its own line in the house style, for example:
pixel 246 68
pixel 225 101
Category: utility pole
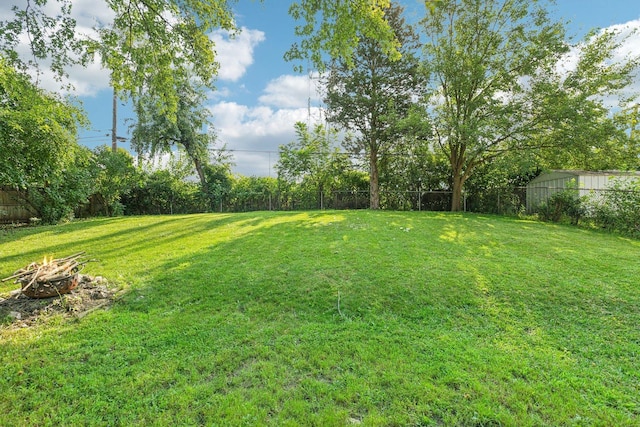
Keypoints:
pixel 114 138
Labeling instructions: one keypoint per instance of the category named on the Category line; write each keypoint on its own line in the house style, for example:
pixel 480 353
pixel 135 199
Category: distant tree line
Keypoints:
pixel 469 99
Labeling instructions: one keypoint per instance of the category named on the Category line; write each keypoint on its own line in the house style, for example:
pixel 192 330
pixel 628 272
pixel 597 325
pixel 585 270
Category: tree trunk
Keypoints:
pixel 456 197
pixel 374 187
pixel 198 165
pixel 459 175
pixel 459 178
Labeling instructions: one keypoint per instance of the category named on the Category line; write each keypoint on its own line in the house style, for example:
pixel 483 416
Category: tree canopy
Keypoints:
pixel 152 43
pixel 157 133
pixel 496 85
pixel 334 28
pixel 37 131
pixel 372 93
pixel 314 158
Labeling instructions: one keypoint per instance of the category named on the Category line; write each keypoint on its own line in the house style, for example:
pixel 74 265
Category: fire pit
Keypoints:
pixel 50 278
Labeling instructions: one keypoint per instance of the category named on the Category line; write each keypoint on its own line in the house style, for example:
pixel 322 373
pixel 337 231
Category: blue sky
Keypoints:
pixel 259 97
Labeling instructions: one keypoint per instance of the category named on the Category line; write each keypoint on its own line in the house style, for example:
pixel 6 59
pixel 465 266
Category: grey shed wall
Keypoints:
pixel 541 188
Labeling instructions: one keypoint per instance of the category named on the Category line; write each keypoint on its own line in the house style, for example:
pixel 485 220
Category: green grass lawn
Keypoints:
pixel 332 318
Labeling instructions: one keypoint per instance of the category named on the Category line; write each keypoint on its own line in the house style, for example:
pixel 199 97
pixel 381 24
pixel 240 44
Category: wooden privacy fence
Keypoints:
pixel 12 208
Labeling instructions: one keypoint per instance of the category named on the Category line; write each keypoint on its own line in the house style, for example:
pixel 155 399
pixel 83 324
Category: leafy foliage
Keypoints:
pixel 335 27
pixel 617 208
pixel 314 159
pixel 163 192
pixel 40 156
pixel 37 131
pixel 496 86
pixel 218 183
pixel 191 130
pixel 116 176
pixel 52 37
pixel 252 193
pixel 65 193
pixel 312 167
pixel 562 204
pixel 153 45
pixel 372 93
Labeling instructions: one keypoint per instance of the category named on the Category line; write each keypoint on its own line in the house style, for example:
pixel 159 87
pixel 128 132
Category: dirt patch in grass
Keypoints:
pixel 92 293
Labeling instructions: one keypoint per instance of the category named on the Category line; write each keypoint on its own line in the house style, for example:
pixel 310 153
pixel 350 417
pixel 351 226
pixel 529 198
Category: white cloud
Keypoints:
pixel 86 81
pixel 219 93
pixel 628 38
pixel 235 53
pixel 91 13
pixel 254 134
pixel 289 91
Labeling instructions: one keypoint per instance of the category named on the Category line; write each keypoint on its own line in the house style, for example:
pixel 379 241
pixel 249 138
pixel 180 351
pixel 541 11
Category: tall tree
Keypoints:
pixel 496 85
pixel 156 133
pixel 38 131
pixel 372 93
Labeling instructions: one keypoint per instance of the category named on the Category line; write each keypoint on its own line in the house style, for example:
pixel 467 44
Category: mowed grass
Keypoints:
pixel 332 318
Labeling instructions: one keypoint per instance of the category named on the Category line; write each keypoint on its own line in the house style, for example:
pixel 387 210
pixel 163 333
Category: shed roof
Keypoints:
pixel 565 173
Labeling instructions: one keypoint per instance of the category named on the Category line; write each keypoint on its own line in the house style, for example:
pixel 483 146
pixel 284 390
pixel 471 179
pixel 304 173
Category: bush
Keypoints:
pixel 618 208
pixel 219 184
pixel 65 193
pixel 164 193
pixel 563 204
pixel 116 176
pixel 251 194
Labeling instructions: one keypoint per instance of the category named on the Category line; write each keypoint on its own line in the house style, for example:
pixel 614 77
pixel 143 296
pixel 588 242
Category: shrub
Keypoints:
pixel 618 208
pixel 563 204
pixel 116 176
pixel 165 193
pixel 64 193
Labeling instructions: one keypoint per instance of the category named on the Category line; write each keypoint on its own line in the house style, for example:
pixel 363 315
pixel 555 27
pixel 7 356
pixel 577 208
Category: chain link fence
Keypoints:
pixel 495 201
pixel 356 199
pixel 498 201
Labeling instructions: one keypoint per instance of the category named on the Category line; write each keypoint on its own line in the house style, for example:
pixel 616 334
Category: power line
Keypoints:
pixel 316 153
pixel 91 137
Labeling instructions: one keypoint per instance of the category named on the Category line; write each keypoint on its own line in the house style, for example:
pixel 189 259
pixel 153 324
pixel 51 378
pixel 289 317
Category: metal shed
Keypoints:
pixel 544 186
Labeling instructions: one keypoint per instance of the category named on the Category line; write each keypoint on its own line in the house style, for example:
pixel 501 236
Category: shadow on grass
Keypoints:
pixel 111 240
pixel 305 316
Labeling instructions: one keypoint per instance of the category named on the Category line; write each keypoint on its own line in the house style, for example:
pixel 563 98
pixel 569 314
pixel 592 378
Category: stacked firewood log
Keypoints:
pixel 50 278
